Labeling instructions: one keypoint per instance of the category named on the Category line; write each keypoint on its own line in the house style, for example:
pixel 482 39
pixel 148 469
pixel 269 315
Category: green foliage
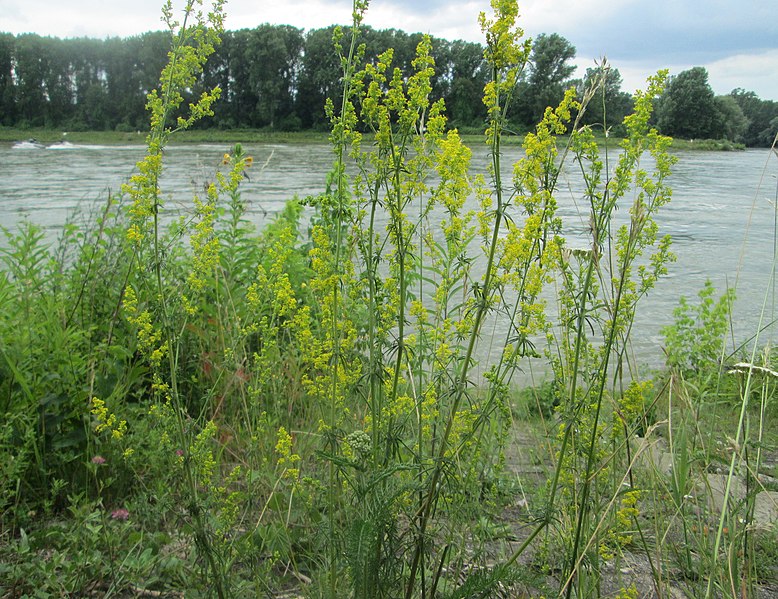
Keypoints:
pixel 90 552
pixel 601 286
pixel 688 108
pixel 732 121
pixel 761 114
pixel 483 583
pixel 696 338
pixel 547 79
pixel 766 555
pixel 609 104
pixel 272 54
pixel 45 367
pixel 277 78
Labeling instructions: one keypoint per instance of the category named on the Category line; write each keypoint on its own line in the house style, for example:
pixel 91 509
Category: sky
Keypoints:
pixel 735 40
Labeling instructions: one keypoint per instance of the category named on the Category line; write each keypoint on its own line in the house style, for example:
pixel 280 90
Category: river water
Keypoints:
pixel 722 216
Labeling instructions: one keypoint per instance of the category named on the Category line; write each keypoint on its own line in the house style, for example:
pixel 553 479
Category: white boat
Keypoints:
pixel 61 145
pixel 30 144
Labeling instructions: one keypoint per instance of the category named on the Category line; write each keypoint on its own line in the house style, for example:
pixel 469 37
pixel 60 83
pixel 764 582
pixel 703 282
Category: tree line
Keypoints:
pixel 278 77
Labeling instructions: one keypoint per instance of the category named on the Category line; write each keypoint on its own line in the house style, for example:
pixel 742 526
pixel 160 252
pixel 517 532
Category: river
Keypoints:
pixel 722 216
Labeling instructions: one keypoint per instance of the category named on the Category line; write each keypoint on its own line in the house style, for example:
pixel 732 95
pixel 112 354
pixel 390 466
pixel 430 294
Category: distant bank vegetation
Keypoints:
pixel 278 77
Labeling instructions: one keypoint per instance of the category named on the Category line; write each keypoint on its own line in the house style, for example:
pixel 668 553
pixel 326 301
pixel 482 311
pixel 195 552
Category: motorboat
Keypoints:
pixel 61 145
pixel 29 144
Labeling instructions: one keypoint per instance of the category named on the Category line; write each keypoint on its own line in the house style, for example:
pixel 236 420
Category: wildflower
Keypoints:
pixel 99 460
pixel 358 446
pixel 120 514
pixel 284 448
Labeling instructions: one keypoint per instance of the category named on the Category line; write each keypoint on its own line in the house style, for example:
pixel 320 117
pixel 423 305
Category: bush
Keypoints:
pixel 696 338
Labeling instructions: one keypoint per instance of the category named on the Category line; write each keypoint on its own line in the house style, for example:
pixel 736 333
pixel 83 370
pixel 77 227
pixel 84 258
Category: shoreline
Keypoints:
pixel 257 136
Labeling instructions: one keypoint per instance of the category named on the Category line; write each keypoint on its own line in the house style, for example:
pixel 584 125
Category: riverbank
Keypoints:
pixel 257 136
pixel 48 136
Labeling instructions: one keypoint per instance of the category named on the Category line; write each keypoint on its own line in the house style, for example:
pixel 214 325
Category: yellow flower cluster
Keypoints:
pixel 632 404
pixel 460 438
pixel 144 192
pixel 429 412
pixel 286 458
pixel 630 592
pixel 229 502
pixel 107 421
pixel 201 454
pixel 205 248
pixel 149 337
pixel 329 332
pixel 621 535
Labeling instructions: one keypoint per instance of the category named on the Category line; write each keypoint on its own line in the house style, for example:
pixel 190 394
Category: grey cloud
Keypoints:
pixel 669 30
pixel 664 30
pixel 670 46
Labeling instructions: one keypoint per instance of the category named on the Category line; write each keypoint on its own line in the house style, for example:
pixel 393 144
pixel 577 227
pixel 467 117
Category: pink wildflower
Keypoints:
pixel 120 514
pixel 98 459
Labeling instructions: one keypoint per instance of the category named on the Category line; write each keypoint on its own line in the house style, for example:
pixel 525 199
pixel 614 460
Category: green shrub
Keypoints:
pixel 695 340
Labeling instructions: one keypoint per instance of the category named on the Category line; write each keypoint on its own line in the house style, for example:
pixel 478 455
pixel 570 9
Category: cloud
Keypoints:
pixel 447 20
pixel 753 72
pixel 759 69
pixel 90 18
pixel 305 14
pixel 665 30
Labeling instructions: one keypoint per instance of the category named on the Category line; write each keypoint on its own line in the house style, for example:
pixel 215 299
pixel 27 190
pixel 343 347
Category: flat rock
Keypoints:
pixel 714 486
pixel 766 509
pixel 653 453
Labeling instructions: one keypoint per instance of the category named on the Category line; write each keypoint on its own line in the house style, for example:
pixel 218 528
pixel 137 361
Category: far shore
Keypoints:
pixel 258 136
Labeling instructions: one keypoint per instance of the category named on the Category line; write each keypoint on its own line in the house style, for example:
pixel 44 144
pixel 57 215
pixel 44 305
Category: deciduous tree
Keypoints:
pixel 732 122
pixel 549 74
pixel 609 104
pixel 688 107
pixel 7 87
pixel 762 117
pixel 273 54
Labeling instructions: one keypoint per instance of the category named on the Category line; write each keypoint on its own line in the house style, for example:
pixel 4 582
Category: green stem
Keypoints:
pixel 461 382
pixel 157 141
pixel 397 216
pixel 374 371
pixel 332 487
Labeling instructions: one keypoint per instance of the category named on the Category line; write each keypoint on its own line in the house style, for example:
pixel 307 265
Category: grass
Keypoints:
pixel 214 410
pixel 718 145
pixel 246 136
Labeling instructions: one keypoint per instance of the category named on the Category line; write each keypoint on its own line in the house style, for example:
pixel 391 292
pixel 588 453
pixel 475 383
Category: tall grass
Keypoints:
pixel 307 405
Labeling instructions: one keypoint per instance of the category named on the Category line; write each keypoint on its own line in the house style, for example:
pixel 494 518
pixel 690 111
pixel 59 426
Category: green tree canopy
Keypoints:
pixel 277 76
pixel 273 53
pixel 7 87
pixel 609 104
pixel 733 124
pixel 762 118
pixel 549 75
pixel 466 80
pixel 688 107
pixel 320 72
